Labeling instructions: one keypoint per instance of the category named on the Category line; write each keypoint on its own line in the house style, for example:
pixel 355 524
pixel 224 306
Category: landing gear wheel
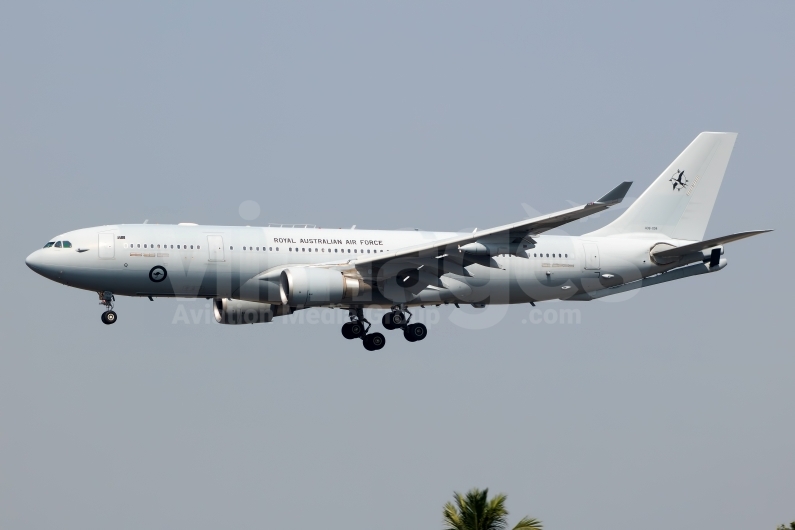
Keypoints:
pixel 374 341
pixel 357 329
pixel 352 330
pixel 397 318
pixel 109 317
pixel 386 321
pixel 415 332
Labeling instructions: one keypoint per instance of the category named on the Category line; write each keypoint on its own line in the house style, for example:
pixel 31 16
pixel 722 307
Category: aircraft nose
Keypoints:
pixel 36 262
pixel 33 261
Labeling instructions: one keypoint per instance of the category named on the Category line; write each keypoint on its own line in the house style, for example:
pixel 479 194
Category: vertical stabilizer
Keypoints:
pixel 678 204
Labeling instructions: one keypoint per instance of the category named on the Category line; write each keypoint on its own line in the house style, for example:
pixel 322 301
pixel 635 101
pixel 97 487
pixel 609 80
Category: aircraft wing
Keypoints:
pixel 510 234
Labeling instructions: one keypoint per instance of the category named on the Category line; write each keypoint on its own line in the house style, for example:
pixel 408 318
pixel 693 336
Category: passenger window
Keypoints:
pixel 567 255
pixel 368 250
pixel 547 255
pixel 191 247
pixel 198 247
pixel 139 245
pixel 257 248
pixel 354 250
pixel 315 249
pixel 144 244
pixel 58 244
pixel 67 244
pixel 303 249
pixel 310 250
pixel 277 249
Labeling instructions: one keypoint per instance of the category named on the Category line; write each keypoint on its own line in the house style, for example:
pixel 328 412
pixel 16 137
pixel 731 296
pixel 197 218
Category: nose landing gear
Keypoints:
pixel 396 319
pixel 109 316
pixel 356 329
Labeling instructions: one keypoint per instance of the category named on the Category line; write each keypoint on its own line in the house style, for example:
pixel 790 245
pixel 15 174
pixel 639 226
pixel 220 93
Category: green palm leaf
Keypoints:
pixel 475 511
pixel 528 523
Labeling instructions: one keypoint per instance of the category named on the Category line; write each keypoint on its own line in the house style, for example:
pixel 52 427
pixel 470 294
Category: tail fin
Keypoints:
pixel 678 204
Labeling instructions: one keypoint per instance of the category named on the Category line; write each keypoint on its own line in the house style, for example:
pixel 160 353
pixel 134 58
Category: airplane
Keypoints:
pixel 255 274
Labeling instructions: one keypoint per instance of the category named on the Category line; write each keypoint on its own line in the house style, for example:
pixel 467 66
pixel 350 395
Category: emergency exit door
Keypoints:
pixel 215 244
pixel 591 256
pixel 107 245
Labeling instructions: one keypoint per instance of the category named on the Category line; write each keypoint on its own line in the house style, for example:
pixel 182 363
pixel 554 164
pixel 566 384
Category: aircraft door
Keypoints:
pixel 107 245
pixel 215 244
pixel 591 255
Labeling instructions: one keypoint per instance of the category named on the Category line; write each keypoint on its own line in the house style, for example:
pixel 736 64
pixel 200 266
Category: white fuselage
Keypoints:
pixel 229 262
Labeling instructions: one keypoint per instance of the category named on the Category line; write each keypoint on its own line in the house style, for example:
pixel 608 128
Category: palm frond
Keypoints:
pixel 528 523
pixel 475 511
pixel 452 518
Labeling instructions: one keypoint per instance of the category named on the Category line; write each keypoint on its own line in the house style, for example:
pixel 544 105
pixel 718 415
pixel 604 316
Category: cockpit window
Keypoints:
pixel 58 244
pixel 48 245
pixel 67 244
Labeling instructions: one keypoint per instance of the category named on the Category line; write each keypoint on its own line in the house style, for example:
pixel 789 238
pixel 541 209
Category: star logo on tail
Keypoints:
pixel 678 180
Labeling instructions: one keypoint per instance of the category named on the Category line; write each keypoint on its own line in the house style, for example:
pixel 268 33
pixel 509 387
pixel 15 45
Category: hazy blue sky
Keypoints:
pixel 674 407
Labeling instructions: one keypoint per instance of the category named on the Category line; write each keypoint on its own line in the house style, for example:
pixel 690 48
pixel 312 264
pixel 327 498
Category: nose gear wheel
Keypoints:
pixel 106 298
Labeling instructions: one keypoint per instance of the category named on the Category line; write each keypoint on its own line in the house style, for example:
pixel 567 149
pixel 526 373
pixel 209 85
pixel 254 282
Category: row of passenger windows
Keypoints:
pixel 179 247
pixel 198 247
pixel 541 255
pixel 306 249
pixel 58 244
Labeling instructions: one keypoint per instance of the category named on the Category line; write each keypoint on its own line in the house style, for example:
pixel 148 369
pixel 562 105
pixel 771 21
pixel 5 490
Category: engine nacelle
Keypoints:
pixel 307 286
pixel 493 248
pixel 228 311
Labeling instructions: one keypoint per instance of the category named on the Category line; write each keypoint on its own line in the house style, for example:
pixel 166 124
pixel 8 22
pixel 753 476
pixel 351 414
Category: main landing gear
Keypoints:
pixel 355 329
pixel 107 299
pixel 396 319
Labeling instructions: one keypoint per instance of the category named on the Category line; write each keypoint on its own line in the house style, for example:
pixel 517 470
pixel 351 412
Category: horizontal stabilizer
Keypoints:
pixel 704 245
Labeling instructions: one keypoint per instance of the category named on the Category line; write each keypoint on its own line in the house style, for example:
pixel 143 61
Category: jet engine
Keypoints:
pixel 228 311
pixel 306 286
